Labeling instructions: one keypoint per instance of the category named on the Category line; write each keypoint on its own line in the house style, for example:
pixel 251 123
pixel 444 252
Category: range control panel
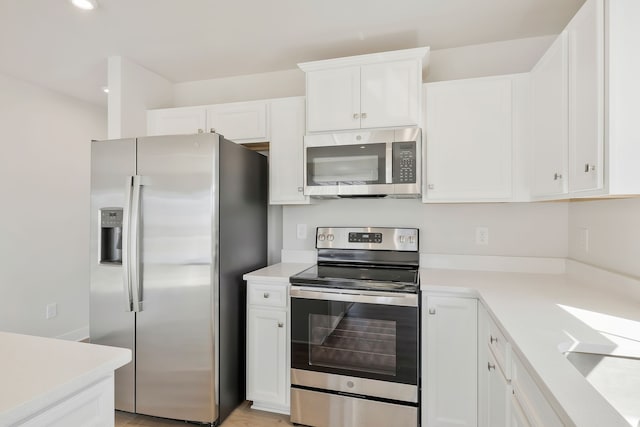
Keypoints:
pixel 365 237
pixel 372 238
pixel 404 162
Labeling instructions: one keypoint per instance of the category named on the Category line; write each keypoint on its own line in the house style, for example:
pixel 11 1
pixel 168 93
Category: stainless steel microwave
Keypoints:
pixel 369 163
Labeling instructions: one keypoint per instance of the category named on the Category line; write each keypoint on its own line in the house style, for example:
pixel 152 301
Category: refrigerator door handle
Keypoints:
pixel 126 223
pixel 136 291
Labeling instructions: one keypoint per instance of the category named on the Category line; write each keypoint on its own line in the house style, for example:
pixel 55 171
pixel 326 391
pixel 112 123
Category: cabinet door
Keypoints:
pixel 549 84
pixel 176 121
pixel 450 362
pixel 498 391
pixel 586 97
pixel 286 164
pixel 469 140
pixel 243 121
pixel 267 356
pixel 390 94
pixel 333 99
pixel 518 418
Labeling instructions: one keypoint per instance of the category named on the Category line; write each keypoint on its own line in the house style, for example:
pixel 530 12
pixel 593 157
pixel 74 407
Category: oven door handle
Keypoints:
pixel 383 298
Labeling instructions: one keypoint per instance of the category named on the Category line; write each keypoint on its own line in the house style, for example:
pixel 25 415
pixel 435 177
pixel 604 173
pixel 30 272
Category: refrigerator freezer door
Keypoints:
pixel 111 323
pixel 175 374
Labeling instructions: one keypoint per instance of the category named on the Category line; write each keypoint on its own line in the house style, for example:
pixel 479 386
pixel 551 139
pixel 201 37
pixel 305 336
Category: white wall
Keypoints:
pixel 515 229
pixel 132 91
pixel 613 234
pixel 507 57
pixel 513 56
pixel 44 220
pixel 278 84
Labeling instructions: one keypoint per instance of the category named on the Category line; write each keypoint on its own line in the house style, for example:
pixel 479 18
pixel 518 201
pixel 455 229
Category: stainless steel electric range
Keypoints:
pixel 355 330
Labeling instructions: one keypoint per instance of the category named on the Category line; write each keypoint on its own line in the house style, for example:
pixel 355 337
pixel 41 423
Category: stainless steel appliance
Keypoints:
pixel 368 163
pixel 175 222
pixel 355 330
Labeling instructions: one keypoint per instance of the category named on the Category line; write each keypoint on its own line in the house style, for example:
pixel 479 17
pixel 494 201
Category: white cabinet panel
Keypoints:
pixel 497 389
pixel 518 418
pixel 286 152
pixel 450 362
pixel 267 356
pixel 366 91
pixel 176 121
pixel 240 122
pixel 268 335
pixel 333 99
pixel 586 97
pixel 549 86
pixel 469 140
pixel 390 94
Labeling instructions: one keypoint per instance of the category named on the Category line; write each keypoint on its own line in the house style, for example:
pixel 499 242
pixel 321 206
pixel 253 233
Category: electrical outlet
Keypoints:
pixel 482 236
pixel 52 310
pixel 301 231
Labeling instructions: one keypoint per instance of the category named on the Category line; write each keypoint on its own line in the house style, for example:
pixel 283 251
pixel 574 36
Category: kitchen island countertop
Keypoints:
pixel 38 373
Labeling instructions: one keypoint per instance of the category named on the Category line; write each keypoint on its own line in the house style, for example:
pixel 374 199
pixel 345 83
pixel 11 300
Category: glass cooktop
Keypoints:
pixel 359 277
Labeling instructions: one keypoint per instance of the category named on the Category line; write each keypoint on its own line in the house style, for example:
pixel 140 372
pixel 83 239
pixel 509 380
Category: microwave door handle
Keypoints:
pixel 126 224
pixel 388 157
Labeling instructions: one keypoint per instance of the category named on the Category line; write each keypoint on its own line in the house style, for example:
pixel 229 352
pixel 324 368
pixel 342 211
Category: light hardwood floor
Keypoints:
pixel 243 416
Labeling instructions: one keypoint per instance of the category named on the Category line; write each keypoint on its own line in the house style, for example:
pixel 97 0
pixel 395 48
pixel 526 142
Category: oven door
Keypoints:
pixel 358 334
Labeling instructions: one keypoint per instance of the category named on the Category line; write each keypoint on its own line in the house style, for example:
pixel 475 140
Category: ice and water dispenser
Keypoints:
pixel 111 236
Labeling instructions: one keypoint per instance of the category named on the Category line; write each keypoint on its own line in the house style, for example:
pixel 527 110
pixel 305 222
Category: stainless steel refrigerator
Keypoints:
pixel 175 223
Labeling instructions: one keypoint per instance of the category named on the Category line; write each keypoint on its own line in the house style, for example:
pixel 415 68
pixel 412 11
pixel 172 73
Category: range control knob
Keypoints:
pixel 412 239
pixel 402 239
pixel 330 237
pixel 321 237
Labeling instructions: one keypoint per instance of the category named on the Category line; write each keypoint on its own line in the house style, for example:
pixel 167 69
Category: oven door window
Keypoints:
pixel 346 165
pixel 355 339
pixel 354 343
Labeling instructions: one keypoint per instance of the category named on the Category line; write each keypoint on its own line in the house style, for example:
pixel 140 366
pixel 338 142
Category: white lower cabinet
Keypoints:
pixel 449 361
pixel 517 416
pixel 537 411
pixel 89 406
pixel 268 332
pixel 508 394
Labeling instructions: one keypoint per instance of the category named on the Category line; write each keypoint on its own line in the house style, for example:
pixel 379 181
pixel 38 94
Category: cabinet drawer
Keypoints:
pixel 267 295
pixel 499 346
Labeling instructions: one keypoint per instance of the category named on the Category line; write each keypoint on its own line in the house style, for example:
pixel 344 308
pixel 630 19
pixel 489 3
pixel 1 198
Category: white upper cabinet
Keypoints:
pixel 549 93
pixel 286 163
pixel 240 121
pixel 367 91
pixel 334 99
pixel 604 99
pixel 176 121
pixel 586 94
pixel 472 137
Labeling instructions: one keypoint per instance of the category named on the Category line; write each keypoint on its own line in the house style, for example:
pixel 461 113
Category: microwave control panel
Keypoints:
pixel 404 162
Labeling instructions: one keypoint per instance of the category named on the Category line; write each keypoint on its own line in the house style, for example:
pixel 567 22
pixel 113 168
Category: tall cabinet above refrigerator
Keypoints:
pixel 175 223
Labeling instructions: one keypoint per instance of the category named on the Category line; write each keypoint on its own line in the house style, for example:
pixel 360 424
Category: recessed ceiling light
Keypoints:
pixel 105 89
pixel 85 4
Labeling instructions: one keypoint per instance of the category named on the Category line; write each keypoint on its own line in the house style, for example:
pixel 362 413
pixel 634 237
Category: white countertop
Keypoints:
pixel 276 272
pixel 36 372
pixel 544 315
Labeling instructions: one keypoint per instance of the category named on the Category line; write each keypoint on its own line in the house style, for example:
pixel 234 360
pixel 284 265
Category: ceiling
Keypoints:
pixel 55 45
